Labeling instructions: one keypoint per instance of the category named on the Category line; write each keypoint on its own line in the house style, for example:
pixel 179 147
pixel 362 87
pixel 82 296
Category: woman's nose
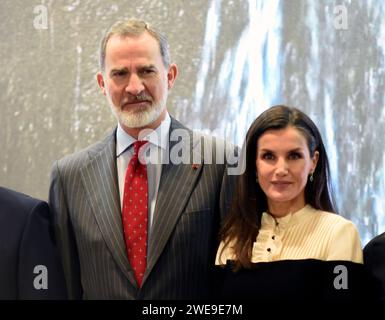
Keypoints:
pixel 282 167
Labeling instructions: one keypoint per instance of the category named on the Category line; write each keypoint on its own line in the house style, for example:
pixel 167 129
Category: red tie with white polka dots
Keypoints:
pixel 134 213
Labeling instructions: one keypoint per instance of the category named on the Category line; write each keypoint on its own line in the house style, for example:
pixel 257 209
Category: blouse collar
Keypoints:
pixel 289 219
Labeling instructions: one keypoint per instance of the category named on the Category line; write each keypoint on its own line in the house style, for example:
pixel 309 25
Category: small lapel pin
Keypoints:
pixel 195 166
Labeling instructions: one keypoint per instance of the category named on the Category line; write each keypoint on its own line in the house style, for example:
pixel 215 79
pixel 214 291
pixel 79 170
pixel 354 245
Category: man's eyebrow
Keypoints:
pixel 147 66
pixel 115 70
pixel 124 69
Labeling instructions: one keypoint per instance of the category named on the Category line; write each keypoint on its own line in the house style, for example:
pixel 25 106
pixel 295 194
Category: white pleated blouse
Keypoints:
pixel 305 234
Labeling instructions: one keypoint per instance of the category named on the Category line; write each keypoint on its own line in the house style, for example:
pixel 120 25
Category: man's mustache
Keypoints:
pixel 138 98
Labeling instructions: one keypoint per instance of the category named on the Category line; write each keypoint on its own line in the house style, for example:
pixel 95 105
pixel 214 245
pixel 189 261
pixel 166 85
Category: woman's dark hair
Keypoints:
pixel 243 222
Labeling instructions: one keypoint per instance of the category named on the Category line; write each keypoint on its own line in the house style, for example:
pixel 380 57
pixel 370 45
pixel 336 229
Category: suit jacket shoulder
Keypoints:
pixel 81 157
pixel 15 201
pixel 29 252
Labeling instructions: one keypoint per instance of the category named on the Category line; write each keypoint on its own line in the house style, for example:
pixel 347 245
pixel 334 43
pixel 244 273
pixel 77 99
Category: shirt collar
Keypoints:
pixel 158 137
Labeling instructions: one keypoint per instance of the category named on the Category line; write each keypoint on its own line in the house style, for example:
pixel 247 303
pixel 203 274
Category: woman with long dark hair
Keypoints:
pixel 283 215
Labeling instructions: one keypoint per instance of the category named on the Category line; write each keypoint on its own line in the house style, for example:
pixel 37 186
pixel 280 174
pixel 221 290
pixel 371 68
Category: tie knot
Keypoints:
pixel 137 145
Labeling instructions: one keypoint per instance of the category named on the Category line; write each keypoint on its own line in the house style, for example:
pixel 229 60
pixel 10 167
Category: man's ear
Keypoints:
pixel 171 75
pixel 100 79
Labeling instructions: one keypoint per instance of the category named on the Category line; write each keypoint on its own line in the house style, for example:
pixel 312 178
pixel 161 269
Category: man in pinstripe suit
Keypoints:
pixel 187 196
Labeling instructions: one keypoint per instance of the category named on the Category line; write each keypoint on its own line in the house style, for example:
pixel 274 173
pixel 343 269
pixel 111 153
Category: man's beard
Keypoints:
pixel 138 118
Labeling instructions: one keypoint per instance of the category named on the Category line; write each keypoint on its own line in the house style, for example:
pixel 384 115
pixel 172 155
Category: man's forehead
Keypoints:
pixel 132 47
pixel 144 37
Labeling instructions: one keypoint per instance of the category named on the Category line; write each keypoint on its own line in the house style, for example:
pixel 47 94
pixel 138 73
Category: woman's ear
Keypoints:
pixel 314 161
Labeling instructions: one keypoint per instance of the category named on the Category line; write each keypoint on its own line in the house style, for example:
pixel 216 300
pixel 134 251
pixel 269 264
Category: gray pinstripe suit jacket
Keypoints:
pixel 84 200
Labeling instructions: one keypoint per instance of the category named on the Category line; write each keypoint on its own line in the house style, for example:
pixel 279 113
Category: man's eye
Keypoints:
pixel 119 74
pixel 147 71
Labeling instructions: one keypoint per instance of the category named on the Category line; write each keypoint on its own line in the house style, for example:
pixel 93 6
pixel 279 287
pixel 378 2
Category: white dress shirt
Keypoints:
pixel 154 153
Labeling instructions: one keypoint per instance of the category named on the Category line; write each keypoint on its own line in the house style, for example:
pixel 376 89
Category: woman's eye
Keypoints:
pixel 267 156
pixel 294 156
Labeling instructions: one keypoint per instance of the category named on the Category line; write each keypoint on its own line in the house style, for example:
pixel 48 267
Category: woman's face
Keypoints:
pixel 283 165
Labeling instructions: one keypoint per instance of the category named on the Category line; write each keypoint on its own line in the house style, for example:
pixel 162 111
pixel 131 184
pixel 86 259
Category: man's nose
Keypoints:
pixel 134 85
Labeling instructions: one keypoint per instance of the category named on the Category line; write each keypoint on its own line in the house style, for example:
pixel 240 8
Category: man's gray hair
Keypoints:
pixel 134 28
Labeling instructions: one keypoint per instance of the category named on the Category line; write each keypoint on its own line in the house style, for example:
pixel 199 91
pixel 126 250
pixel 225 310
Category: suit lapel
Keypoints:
pixel 100 178
pixel 175 187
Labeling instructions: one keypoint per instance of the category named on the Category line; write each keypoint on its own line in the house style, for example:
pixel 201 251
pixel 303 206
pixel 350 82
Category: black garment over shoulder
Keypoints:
pixel 307 279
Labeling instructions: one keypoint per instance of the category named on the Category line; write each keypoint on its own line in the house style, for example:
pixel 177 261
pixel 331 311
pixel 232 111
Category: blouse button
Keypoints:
pixel 268 249
pixel 273 237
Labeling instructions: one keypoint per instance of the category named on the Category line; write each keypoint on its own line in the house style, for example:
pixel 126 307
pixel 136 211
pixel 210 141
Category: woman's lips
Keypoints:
pixel 281 183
